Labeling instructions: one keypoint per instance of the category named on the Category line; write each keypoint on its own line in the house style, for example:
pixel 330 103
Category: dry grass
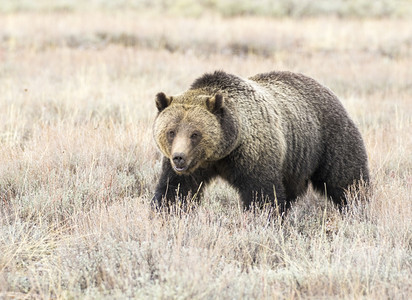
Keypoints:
pixel 226 8
pixel 78 163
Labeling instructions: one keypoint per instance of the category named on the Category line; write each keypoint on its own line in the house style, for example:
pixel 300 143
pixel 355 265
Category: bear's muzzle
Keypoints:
pixel 179 162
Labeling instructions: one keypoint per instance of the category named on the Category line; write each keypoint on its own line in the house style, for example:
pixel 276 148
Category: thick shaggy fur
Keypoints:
pixel 268 136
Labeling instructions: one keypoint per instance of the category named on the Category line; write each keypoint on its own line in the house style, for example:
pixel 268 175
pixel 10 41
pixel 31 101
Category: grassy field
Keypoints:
pixel 78 163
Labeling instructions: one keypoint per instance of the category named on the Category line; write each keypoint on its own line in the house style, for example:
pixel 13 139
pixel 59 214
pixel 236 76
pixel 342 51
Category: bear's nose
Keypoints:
pixel 179 159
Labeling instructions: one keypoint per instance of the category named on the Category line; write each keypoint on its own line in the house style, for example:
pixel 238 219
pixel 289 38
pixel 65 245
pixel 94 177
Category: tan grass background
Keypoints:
pixel 78 163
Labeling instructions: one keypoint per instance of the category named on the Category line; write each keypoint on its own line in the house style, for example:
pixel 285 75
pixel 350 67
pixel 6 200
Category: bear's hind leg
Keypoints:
pixel 335 183
pixel 337 194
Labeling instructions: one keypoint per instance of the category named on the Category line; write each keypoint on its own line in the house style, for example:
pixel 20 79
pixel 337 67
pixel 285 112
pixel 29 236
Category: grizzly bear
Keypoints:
pixel 268 136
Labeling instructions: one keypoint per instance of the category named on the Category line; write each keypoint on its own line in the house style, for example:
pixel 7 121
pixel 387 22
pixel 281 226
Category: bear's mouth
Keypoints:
pixel 184 169
pixel 179 169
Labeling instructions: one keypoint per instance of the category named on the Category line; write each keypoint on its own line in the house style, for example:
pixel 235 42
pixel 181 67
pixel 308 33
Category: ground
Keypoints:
pixel 78 163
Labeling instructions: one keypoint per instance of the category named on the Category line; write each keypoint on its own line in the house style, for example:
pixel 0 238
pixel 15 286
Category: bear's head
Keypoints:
pixel 189 129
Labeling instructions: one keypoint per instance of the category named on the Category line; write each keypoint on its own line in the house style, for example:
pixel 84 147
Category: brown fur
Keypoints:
pixel 267 135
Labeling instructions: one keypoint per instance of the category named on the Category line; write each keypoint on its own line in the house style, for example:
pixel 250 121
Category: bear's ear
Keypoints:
pixel 162 101
pixel 215 103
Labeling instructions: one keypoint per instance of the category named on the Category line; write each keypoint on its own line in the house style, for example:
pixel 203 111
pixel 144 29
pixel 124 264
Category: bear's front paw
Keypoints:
pixel 157 201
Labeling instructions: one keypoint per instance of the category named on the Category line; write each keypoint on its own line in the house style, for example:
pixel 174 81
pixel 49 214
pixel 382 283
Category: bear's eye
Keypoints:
pixel 195 136
pixel 171 135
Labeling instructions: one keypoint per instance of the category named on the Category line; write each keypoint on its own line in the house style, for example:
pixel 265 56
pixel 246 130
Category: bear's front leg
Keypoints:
pixel 172 187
